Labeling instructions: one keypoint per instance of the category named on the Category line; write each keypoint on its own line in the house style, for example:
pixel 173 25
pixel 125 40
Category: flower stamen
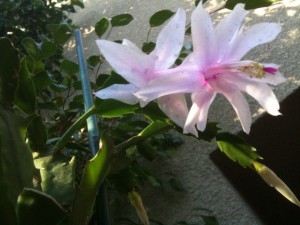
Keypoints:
pixel 255 70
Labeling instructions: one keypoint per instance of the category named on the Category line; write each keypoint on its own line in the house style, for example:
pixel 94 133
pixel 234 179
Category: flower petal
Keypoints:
pixel 175 107
pixel 121 92
pixel 259 91
pixel 169 84
pixel 237 100
pixel 192 119
pixel 228 29
pixel 132 45
pixel 169 42
pixel 256 35
pixel 203 36
pixel 129 63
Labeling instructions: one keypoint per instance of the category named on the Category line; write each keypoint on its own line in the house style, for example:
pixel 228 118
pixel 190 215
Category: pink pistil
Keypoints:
pixel 270 70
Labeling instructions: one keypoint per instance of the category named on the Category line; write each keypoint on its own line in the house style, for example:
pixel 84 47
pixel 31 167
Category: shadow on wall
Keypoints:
pixel 277 139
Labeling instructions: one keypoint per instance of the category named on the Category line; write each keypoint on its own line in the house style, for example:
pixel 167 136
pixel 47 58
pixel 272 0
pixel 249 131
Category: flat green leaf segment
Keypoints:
pixel 237 149
pixel 58 177
pixel 101 26
pixel 9 69
pixel 250 4
pixel 36 208
pixel 121 20
pixel 111 108
pixel 94 174
pixel 16 163
pixel 26 95
pixel 160 17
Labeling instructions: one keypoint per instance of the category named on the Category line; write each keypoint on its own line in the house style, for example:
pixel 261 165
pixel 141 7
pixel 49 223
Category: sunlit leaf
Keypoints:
pixel 58 177
pixel 237 149
pixel 26 95
pixel 250 4
pixel 121 20
pixel 94 174
pixel 9 69
pixel 36 208
pixel 160 17
pixel 101 26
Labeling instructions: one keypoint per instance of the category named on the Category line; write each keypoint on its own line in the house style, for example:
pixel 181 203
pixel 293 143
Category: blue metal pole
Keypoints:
pixel 92 127
pixel 93 132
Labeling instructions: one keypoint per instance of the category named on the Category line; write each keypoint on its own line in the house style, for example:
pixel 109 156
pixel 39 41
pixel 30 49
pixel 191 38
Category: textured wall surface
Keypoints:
pixel 205 186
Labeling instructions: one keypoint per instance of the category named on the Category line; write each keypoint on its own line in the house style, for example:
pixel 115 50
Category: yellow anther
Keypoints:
pixel 255 70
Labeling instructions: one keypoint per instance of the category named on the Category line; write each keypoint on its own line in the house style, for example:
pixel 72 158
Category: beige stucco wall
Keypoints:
pixel 205 186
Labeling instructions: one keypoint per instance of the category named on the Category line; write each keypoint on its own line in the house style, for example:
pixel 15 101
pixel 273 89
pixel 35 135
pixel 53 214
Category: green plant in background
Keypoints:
pixel 47 173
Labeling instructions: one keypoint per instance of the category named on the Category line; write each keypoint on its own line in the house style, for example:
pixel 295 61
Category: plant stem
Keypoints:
pixel 75 126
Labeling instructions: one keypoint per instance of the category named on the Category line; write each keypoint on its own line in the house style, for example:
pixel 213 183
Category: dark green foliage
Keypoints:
pixel 9 71
pixel 249 4
pixel 237 149
pixel 36 208
pixel 160 17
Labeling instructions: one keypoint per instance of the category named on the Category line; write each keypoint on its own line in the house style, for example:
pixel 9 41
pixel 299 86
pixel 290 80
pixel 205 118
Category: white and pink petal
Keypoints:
pixel 169 42
pixel 120 92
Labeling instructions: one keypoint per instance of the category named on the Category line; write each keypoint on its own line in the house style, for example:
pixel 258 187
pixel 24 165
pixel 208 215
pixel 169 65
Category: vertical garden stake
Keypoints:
pixel 93 132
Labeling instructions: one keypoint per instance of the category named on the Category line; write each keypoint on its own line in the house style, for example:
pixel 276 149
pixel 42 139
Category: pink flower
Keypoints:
pixel 215 66
pixel 139 68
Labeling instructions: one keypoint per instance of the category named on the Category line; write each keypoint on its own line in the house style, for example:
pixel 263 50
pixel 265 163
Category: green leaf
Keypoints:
pixel 16 163
pixel 101 79
pixel 101 26
pixel 121 20
pixel 111 108
pixel 37 134
pixel 93 60
pixel 48 49
pixel 210 220
pixel 7 212
pixel 9 69
pixel 148 47
pixel 160 17
pixel 42 80
pixel 31 48
pixel 114 78
pixel 34 66
pixel 237 149
pixel 198 1
pixel 176 185
pixel 210 132
pixel 250 4
pixel 78 3
pixel 26 95
pixel 94 174
pixel 61 32
pixel 69 67
pixel 153 112
pixel 58 177
pixel 154 128
pixel 48 106
pixel 36 208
